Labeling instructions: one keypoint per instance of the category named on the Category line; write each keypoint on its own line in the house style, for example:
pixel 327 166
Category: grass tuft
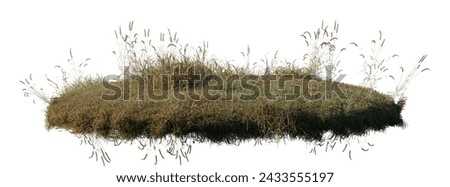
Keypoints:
pixel 174 92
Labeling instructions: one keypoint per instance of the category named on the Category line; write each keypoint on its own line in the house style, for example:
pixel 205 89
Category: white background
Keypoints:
pixel 36 35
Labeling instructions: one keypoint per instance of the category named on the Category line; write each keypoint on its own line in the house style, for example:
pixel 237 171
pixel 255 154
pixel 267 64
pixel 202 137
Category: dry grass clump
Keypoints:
pixel 226 118
pixel 176 92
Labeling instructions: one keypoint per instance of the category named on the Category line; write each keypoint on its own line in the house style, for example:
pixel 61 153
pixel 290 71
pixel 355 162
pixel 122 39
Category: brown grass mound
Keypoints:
pixel 226 119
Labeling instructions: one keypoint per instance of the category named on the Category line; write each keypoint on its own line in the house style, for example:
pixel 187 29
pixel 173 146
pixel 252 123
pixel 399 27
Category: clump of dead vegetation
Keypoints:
pixel 172 94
